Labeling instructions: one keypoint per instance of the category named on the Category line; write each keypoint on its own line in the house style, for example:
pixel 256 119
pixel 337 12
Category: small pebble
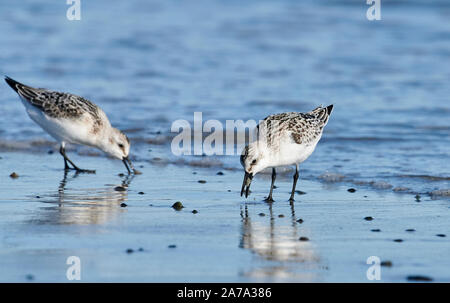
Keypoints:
pixel 275 187
pixel 195 211
pixel 29 277
pixel 280 216
pixel 410 230
pixel 202 181
pixel 220 173
pixel 376 230
pixel 398 240
pixel 299 192
pixel 300 221
pixel 441 235
pixel 129 251
pixel 194 173
pixel 368 218
pixel 172 246
pixel 178 205
pixel 121 175
pixel 38 197
pixel 419 278
pixel 140 193
pixel 140 249
pixel 386 263
pixel 120 188
pixel 14 175
pixel 303 239
pixel 351 190
pixel 262 214
pixel 417 198
pixel 50 152
pixel 123 205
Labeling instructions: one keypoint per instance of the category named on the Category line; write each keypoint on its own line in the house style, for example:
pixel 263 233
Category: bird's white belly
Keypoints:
pixel 293 153
pixel 297 154
pixel 62 129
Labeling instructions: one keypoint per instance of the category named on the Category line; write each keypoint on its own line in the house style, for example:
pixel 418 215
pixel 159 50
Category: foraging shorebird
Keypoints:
pixel 283 139
pixel 72 119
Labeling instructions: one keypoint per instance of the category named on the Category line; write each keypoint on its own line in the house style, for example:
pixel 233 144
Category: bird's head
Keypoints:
pixel 118 146
pixel 253 162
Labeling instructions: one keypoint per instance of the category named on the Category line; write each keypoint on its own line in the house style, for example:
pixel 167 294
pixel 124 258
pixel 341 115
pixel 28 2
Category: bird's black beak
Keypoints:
pixel 128 165
pixel 246 184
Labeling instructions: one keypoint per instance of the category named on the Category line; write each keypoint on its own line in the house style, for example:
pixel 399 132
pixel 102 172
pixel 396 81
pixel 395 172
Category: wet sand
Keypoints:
pixel 136 236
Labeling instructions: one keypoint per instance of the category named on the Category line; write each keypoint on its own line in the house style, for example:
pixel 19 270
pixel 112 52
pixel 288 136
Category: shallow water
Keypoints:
pixel 229 239
pixel 149 63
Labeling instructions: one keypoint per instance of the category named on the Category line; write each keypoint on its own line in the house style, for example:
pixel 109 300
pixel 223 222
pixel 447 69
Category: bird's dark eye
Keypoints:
pixel 254 161
pixel 120 145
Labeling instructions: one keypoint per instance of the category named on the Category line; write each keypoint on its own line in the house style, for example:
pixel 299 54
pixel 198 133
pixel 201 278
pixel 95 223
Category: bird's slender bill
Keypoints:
pixel 128 165
pixel 246 184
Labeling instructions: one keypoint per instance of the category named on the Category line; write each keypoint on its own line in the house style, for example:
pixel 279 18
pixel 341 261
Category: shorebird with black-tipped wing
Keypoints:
pixel 69 118
pixel 283 139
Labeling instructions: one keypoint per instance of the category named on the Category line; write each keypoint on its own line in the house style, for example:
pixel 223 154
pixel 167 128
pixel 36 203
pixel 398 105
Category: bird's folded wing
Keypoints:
pixel 61 105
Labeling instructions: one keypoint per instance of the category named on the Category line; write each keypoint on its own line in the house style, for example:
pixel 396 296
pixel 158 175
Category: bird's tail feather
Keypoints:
pixel 23 90
pixel 322 113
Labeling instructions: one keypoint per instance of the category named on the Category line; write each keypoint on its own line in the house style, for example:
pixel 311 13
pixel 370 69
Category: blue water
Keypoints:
pixel 149 63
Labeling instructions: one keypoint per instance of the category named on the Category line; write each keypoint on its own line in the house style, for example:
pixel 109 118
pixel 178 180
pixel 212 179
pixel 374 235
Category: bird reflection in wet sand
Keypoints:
pixel 83 206
pixel 276 239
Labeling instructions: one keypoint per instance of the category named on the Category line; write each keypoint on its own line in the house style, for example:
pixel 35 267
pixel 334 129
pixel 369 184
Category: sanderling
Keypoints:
pixel 72 119
pixel 283 139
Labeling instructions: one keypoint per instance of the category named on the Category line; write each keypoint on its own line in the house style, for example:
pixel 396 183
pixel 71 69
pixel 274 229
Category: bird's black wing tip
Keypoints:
pixel 11 82
pixel 329 108
pixel 9 79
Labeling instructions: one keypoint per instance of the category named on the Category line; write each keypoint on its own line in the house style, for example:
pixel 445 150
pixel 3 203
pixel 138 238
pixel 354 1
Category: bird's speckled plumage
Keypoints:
pixel 302 128
pixel 58 104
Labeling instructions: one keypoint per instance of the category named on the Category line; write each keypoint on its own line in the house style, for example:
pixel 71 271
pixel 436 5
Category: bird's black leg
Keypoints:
pixel 66 166
pixel 274 175
pixel 291 199
pixel 62 151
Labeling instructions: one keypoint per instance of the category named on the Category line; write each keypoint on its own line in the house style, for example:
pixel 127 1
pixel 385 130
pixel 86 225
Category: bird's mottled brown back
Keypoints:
pixel 60 105
pixel 303 128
